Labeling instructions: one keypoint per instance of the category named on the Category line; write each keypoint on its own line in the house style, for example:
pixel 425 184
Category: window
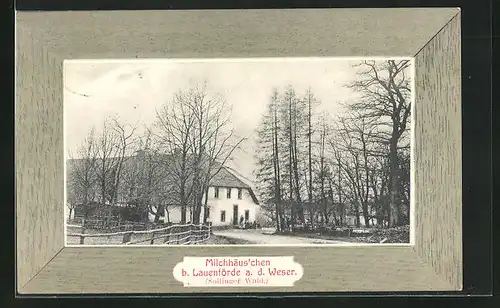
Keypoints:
pixel 228 193
pixel 247 215
pixel 216 192
pixel 240 192
pixel 222 216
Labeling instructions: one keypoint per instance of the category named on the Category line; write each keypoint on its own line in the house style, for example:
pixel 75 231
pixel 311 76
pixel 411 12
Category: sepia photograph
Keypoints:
pixel 258 151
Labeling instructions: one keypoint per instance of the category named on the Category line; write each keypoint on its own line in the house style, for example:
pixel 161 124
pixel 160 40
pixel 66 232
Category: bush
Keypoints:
pixel 264 221
pixel 391 235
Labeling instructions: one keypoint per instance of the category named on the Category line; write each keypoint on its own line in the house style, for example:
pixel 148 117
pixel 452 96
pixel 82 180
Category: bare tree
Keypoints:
pixel 356 137
pixel 379 179
pixel 81 177
pixel 195 127
pixel 311 102
pixel 385 90
pixel 112 147
pixel 336 181
pixel 125 140
pixel 323 171
pixel 286 157
pixel 144 179
pixel 276 160
pixel 268 173
pixel 174 128
pixel 293 120
pixel 213 140
pixel 106 152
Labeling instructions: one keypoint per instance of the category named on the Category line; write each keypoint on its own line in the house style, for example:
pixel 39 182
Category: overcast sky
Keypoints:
pixel 134 89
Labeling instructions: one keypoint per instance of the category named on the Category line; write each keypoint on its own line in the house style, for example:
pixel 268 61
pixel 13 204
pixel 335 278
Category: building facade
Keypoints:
pixel 231 202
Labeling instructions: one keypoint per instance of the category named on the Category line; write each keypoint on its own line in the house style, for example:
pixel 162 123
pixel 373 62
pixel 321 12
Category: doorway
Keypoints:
pixel 235 214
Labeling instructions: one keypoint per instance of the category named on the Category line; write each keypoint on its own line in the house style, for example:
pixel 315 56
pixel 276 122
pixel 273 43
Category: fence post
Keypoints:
pixel 167 236
pixel 152 238
pixel 127 237
pixel 82 238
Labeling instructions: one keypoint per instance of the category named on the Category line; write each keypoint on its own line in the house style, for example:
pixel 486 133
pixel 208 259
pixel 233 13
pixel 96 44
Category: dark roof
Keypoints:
pixel 223 178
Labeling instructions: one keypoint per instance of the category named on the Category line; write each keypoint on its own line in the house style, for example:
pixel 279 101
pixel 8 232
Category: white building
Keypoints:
pixel 230 200
pixel 350 220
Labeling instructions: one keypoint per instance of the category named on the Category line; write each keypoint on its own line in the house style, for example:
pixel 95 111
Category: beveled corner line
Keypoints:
pixel 437 33
pixel 43 267
pixel 431 268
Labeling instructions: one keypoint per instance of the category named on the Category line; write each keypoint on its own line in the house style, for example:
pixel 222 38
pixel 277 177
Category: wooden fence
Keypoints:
pixel 111 225
pixel 188 234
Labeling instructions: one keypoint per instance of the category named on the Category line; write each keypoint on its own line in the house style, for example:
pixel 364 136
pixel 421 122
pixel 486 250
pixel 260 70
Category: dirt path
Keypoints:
pixel 259 237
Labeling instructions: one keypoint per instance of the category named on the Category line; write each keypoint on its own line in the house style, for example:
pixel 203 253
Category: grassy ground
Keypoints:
pixel 222 240
pixel 117 240
pixel 391 235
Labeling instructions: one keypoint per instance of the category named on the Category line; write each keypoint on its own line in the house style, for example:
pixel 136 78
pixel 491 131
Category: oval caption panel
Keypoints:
pixel 238 271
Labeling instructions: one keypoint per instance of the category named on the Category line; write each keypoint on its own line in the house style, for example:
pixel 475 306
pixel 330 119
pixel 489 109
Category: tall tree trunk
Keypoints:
pixel 159 210
pixel 103 183
pixel 323 175
pixel 394 210
pixel 199 189
pixel 183 209
pixel 205 206
pixel 300 208
pixel 276 178
pixel 290 163
pixel 341 204
pixel 358 220
pixel 323 193
pixel 309 143
pixel 324 203
pixel 376 200
pixel 278 173
pixel 325 210
pixel 366 215
pixel 366 186
pixel 198 204
pixel 182 188
pixel 167 215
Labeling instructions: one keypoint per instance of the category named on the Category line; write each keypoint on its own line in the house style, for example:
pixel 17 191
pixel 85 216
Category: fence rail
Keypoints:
pixel 111 225
pixel 187 234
